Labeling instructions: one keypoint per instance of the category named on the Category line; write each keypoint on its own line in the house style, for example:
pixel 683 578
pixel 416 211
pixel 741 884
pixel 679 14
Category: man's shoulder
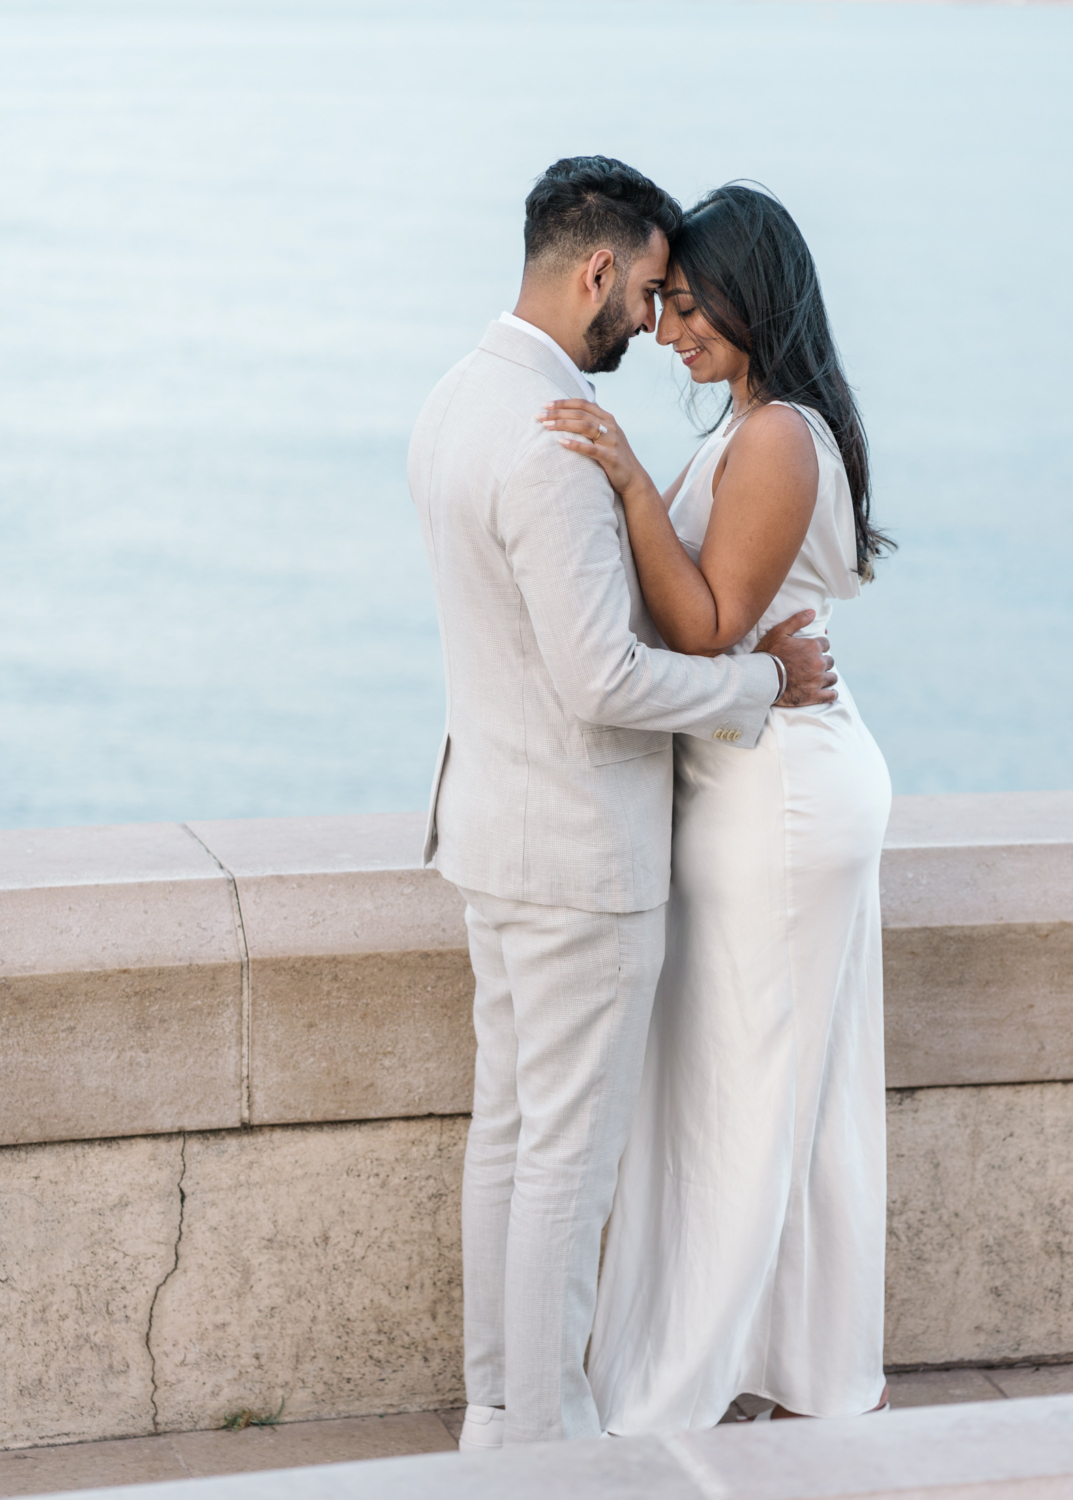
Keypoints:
pixel 502 391
pixel 487 395
pixel 442 392
pixel 492 374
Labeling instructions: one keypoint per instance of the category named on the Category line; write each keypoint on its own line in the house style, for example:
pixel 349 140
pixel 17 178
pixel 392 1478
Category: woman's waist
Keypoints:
pixel 788 602
pixel 791 737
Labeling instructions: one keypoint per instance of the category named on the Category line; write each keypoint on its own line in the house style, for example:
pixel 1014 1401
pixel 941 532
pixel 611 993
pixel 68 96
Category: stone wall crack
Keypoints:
pixel 244 965
pixel 163 1283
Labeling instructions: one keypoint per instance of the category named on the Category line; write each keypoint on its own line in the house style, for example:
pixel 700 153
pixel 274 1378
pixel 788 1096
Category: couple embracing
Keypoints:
pixel 683 1036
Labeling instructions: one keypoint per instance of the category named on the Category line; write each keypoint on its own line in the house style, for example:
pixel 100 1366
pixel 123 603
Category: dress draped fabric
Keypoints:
pixel 745 1248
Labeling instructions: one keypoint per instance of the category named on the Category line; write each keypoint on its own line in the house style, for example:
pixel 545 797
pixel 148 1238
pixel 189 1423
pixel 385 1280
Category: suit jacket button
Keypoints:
pixel 736 735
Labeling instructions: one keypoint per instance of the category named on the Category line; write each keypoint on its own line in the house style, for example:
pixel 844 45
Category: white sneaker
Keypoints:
pixel 483 1428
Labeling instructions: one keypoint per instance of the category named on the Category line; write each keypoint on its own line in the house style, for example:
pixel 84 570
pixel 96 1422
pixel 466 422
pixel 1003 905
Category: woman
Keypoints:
pixel 745 1250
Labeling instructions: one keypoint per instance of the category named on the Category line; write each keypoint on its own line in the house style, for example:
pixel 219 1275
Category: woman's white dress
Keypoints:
pixel 745 1249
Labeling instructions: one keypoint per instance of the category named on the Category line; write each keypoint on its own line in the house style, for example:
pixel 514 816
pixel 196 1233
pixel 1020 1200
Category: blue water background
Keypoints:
pixel 239 242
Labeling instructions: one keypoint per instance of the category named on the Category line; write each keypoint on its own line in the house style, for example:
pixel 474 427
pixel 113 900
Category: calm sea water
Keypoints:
pixel 239 242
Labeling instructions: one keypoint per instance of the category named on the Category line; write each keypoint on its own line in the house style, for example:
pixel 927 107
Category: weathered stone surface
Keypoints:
pixel 1035 1380
pixel 292 1444
pixel 132 1052
pixel 91 1465
pixel 944 1387
pixel 121 973
pixel 120 985
pixel 336 885
pixel 147 895
pixel 978 1004
pixel 182 1455
pixel 996 1451
pixel 361 1036
pixel 34 858
pixel 980 818
pixel 309 846
pixel 361 911
pixel 321 1262
pixel 360 987
pixel 977 887
pixel 980 1223
pixel 317 1266
pixel 978 939
pixel 979 862
pixel 87 1234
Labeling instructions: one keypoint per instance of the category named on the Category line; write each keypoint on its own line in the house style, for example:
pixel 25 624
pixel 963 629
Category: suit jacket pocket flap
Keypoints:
pixel 606 746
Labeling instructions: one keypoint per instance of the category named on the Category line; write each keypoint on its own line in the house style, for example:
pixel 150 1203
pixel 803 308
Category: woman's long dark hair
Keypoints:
pixel 753 278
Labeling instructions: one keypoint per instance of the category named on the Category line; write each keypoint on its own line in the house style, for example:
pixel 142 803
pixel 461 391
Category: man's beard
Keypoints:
pixel 607 337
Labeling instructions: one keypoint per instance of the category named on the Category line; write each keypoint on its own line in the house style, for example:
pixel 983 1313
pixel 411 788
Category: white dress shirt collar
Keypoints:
pixel 588 390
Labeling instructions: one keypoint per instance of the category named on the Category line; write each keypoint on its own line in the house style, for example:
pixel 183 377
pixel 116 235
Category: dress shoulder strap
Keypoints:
pixel 817 424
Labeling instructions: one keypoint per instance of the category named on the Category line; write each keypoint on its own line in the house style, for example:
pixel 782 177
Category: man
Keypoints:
pixel 551 809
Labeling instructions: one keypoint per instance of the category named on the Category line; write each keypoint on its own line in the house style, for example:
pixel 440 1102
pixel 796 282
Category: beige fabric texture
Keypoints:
pixel 554 778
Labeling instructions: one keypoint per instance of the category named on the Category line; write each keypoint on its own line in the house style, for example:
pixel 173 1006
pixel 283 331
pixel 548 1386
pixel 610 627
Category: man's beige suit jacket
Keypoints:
pixel 555 774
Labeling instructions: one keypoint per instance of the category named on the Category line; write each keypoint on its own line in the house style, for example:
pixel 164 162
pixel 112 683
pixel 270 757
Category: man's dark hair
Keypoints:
pixel 584 202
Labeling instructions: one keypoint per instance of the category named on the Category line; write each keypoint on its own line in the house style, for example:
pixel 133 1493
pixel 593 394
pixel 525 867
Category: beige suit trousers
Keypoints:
pixel 561 1012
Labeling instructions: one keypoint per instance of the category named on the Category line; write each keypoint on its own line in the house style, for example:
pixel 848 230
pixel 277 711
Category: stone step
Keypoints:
pixel 1001 1450
pixel 188 1455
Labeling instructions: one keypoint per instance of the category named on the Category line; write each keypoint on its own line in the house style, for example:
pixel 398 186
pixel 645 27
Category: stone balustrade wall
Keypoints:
pixel 233 1090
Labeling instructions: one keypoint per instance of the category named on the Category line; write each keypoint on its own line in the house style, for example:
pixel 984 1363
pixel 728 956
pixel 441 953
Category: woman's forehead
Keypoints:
pixel 675 284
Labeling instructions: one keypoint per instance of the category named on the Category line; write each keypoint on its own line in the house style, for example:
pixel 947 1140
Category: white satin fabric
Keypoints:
pixel 745 1247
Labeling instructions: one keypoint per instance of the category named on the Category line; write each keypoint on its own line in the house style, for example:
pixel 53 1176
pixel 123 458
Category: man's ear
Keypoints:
pixel 599 274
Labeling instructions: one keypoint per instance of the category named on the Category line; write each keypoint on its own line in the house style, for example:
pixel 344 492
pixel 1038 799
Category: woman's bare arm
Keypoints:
pixel 762 506
pixel 764 496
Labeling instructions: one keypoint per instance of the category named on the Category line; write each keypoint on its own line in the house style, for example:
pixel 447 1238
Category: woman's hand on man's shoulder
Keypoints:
pixel 585 428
